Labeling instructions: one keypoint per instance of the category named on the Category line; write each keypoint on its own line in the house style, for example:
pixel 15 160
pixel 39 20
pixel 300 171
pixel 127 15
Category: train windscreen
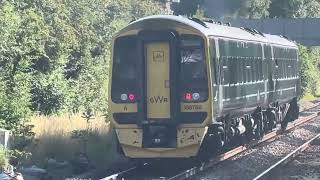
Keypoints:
pixel 124 84
pixel 193 72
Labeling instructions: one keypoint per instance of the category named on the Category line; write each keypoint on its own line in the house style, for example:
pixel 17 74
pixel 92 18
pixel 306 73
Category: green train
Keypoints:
pixel 181 87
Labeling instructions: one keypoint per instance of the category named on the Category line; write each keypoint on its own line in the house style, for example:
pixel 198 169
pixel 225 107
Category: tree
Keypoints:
pixel 309 70
pixel 294 8
pixel 54 54
pixel 186 7
pixel 252 9
pixel 258 8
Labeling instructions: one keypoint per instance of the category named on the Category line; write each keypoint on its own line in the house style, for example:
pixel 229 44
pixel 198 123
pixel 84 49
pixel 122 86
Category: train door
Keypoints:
pixel 157 56
pixel 158 87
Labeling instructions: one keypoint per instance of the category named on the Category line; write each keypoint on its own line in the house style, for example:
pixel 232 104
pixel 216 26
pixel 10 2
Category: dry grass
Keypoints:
pixel 65 124
pixel 53 139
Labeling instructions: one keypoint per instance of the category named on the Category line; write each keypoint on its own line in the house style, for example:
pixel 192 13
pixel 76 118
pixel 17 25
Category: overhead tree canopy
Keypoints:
pixel 186 7
pixel 254 9
pixel 295 8
pixel 54 54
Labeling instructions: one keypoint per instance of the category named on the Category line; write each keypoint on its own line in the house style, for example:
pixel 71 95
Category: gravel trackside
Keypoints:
pixel 254 161
pixel 306 166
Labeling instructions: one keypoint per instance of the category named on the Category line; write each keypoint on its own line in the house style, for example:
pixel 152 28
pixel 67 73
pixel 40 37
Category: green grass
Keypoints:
pixel 308 97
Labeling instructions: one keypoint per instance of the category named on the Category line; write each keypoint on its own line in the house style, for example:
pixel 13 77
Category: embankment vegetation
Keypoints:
pixel 309 72
pixel 54 57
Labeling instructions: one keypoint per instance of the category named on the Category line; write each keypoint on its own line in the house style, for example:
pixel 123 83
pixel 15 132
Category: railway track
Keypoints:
pixel 304 166
pixel 307 115
pixel 268 172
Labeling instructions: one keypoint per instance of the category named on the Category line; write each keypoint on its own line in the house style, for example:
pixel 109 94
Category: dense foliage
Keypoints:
pixel 295 8
pixel 310 70
pixel 253 9
pixel 54 54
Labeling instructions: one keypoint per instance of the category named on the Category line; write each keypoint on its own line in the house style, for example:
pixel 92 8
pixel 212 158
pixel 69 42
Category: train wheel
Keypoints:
pixel 284 124
pixel 259 122
pixel 211 145
pixel 205 152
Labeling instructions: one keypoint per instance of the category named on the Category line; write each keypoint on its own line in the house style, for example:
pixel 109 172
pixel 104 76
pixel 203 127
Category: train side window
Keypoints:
pixel 236 50
pixel 257 69
pixel 291 67
pixel 280 62
pixel 233 70
pixel 225 64
pixel 244 70
pixel 293 63
pixel 267 56
pixel 260 63
pixel 214 62
pixel 285 64
pixel 253 55
pixel 247 68
pixel 296 63
pixel 286 68
pixel 240 70
pixel 253 70
pixel 238 65
pixel 225 69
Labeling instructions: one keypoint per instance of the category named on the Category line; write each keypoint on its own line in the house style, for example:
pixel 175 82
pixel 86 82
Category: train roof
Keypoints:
pixel 219 30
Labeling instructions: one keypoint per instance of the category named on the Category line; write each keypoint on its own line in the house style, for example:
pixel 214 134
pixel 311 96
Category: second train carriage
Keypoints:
pixel 180 86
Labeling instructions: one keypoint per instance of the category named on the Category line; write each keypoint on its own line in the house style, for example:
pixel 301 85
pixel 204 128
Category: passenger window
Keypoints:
pixel 252 70
pixel 239 66
pixel 244 71
pixel 214 67
pixel 247 68
pixel 233 70
pixel 225 68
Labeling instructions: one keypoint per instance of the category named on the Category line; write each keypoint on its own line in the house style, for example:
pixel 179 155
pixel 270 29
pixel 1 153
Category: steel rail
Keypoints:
pixel 120 174
pixel 287 158
pixel 220 158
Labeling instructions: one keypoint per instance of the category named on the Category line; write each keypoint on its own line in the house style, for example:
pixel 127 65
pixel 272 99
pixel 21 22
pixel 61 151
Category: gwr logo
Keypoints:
pixel 158 99
pixel 158 56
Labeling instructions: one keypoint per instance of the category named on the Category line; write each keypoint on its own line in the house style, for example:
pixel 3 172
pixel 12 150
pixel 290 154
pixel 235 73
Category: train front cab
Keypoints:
pixel 160 89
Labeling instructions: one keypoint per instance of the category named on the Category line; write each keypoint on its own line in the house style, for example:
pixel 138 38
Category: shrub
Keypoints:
pixel 309 70
pixel 3 158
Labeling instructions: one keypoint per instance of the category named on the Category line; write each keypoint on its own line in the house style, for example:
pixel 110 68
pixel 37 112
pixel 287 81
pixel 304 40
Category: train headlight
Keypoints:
pixel 132 97
pixel 192 97
pixel 195 96
pixel 124 97
pixel 188 96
